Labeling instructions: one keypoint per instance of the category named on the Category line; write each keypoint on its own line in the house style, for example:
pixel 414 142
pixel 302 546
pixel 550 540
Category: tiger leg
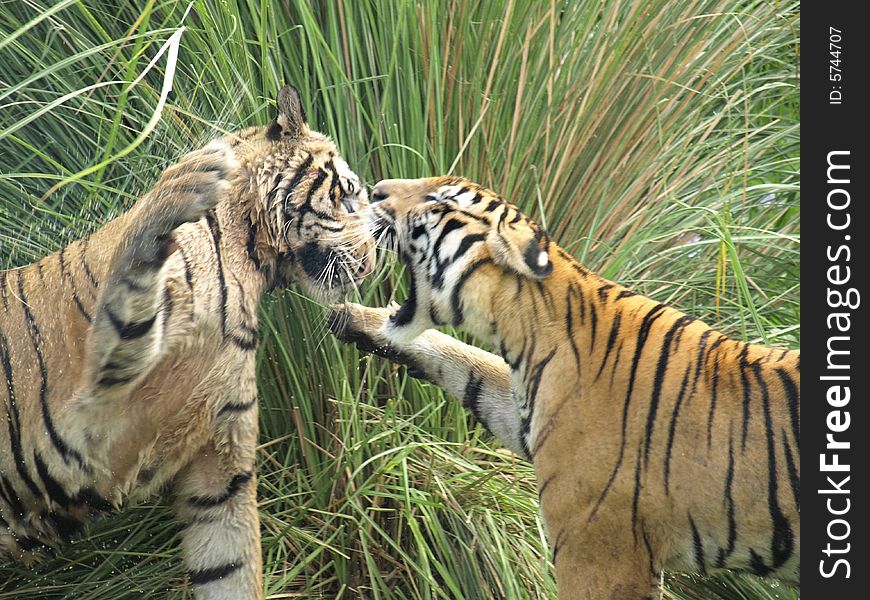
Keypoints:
pixel 216 499
pixel 480 379
pixel 602 563
pixel 125 338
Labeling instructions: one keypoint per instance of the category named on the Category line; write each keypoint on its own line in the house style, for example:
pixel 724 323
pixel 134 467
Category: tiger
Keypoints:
pixel 129 356
pixel 658 443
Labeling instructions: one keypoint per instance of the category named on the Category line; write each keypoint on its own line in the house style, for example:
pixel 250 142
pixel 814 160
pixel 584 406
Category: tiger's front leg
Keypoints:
pixel 126 336
pixel 481 380
pixel 216 500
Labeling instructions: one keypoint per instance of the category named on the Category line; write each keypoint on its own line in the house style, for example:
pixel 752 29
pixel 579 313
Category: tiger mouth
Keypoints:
pixel 383 229
pixel 329 272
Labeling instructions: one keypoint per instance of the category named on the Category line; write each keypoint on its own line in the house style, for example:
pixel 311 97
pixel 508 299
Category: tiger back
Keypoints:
pixel 658 442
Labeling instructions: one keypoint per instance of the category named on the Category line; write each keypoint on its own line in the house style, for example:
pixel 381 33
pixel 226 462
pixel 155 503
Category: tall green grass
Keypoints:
pixel 658 141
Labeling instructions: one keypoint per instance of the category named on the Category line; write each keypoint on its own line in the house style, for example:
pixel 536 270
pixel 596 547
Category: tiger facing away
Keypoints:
pixel 658 443
pixel 128 357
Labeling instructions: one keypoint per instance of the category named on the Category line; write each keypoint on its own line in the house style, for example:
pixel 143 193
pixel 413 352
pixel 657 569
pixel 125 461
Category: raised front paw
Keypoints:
pixel 192 187
pixel 359 325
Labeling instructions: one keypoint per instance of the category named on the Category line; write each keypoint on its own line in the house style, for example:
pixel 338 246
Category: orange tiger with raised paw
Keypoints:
pixel 658 442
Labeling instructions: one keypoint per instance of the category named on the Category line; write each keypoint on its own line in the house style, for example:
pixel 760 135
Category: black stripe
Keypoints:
pixel 62 263
pixel 245 343
pixel 714 391
pixel 301 171
pixel 793 477
pixel 66 527
pixel 729 504
pixel 672 430
pixel 85 266
pixel 91 498
pixel 658 382
pixel 782 543
pixel 214 229
pixel 649 551
pixel 11 496
pixel 699 548
pixel 643 333
pixel 593 316
pixel 110 381
pixel 447 227
pixel 130 331
pixel 203 576
pixel 569 322
pixel 455 302
pixel 493 204
pixel 611 341
pixel 36 339
pixel 716 344
pixel 236 407
pixel 13 419
pixel 29 544
pixel 334 182
pixel 543 486
pixel 471 395
pixel 53 488
pixel 406 312
pixel 533 383
pixel 545 431
pixel 616 362
pixel 81 307
pixel 557 545
pixel 636 496
pixel 699 363
pixel 747 393
pixel 602 292
pixel 466 243
pixel 235 484
pixel 316 185
pixel 792 398
pixel 756 563
pixel 188 276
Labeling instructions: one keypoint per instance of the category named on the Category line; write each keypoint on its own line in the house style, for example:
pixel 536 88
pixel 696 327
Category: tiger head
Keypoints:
pixel 305 202
pixel 445 229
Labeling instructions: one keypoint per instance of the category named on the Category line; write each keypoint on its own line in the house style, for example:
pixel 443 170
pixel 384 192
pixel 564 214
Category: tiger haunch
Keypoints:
pixel 128 357
pixel 658 442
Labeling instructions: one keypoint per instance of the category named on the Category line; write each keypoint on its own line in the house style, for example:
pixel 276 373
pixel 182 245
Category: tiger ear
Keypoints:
pixel 290 122
pixel 521 245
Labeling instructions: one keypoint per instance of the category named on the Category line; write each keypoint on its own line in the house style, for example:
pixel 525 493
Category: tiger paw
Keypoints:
pixel 359 325
pixel 195 184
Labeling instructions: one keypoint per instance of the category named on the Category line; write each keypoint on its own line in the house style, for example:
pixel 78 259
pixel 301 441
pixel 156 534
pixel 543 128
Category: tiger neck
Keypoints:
pixel 533 319
pixel 255 248
pixel 247 251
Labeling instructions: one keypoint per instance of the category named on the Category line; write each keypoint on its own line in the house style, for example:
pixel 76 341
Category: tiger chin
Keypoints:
pixel 658 442
pixel 127 358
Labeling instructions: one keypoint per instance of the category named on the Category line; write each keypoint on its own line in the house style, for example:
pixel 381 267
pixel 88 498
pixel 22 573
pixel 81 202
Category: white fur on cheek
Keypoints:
pixel 403 334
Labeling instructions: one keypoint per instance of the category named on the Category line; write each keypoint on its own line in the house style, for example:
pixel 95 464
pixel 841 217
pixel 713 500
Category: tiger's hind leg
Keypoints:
pixel 125 338
pixel 478 378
